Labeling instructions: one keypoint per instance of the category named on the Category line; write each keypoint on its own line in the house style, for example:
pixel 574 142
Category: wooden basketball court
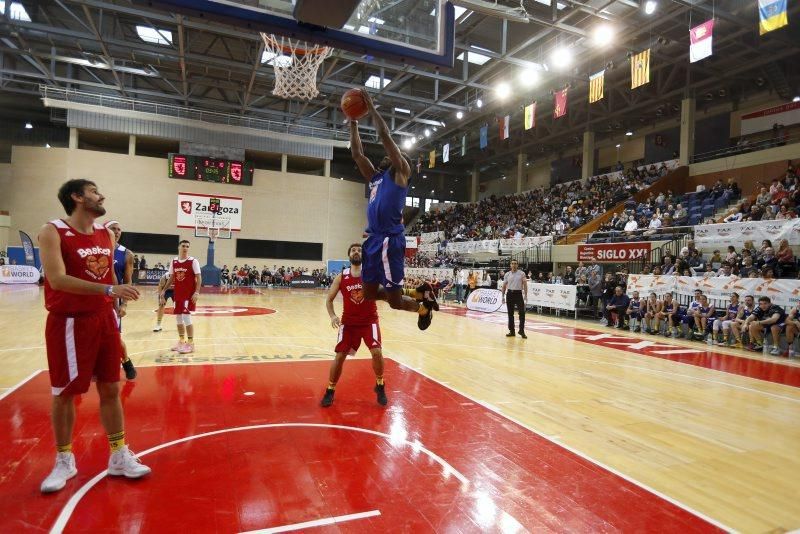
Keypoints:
pixel 578 428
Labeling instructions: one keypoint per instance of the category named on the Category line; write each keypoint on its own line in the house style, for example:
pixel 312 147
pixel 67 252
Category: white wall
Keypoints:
pixel 279 206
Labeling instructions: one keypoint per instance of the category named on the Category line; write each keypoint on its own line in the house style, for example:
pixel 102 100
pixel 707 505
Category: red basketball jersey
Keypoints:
pixel 357 311
pixel 89 257
pixel 183 272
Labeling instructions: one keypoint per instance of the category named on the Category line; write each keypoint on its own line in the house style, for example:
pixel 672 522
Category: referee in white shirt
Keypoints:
pixel 515 288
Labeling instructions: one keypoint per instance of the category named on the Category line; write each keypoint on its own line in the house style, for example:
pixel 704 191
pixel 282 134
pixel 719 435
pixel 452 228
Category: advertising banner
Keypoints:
pixel 431 237
pixel 412 241
pixel 723 235
pixel 148 277
pixel 524 243
pixel 27 246
pixel 717 288
pixel 613 252
pixel 19 274
pixel 192 204
pixel 485 300
pixel 304 281
pixel 562 297
pixel 430 249
pixel 471 247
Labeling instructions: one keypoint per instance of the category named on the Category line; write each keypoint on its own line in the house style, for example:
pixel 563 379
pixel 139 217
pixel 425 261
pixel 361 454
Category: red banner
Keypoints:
pixel 613 252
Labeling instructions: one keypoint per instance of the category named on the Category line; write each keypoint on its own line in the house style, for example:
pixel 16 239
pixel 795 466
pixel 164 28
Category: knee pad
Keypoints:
pixel 187 319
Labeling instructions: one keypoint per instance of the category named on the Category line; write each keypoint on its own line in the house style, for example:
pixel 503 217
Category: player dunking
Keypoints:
pixel 184 271
pixel 169 294
pixel 359 321
pixel 384 249
pixel 81 331
pixel 123 270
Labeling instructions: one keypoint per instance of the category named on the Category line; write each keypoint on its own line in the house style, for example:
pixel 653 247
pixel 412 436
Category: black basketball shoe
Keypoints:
pixel 380 390
pixel 130 370
pixel 327 400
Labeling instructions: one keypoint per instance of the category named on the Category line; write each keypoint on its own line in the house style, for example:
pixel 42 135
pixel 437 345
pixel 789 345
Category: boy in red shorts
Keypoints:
pixel 359 322
pixel 184 272
pixel 81 333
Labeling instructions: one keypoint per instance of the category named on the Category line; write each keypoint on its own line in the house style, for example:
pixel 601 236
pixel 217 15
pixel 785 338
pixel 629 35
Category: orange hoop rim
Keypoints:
pixel 272 41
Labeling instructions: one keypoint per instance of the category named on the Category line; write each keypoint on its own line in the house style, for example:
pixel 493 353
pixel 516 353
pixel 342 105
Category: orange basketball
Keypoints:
pixel 353 104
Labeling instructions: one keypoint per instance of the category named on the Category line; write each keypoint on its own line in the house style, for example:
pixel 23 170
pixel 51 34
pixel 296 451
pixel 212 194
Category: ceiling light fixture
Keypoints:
pixel 28 126
pixel 479 103
pixel 529 76
pixel 502 90
pixel 629 133
pixel 561 57
pixel 650 7
pixel 460 115
pixel 427 132
pixel 603 35
pixel 796 99
pixel 618 145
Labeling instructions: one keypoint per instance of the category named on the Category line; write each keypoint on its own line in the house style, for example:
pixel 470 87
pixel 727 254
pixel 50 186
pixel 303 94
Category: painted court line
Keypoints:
pixel 555 439
pixel 24 381
pixel 316 523
pixel 447 469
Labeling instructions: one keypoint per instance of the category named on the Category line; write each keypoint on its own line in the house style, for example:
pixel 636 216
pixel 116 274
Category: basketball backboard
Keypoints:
pixel 412 31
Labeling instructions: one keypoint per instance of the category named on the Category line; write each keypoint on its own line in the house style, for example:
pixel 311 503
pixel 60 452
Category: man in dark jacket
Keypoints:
pixel 617 306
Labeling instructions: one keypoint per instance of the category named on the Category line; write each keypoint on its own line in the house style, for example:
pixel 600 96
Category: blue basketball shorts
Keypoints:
pixel 383 259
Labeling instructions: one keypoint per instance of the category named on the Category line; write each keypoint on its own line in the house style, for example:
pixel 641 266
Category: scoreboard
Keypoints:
pixel 206 169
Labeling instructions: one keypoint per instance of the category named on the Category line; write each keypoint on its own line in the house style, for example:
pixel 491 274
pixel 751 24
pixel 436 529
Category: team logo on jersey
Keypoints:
pixel 97 267
pixel 180 274
pixel 186 206
pixel 357 296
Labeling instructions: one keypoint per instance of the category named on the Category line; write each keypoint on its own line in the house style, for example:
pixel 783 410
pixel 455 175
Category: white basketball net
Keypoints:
pixel 296 64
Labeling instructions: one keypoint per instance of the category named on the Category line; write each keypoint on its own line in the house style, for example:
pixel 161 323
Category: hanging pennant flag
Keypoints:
pixel 596 82
pixel 504 122
pixel 772 14
pixel 446 153
pixel 464 145
pixel 530 116
pixel 640 69
pixel 432 162
pixel 484 136
pixel 560 103
pixel 700 41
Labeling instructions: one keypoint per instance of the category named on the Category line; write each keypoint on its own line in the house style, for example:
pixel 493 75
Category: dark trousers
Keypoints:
pixel 619 311
pixel 514 299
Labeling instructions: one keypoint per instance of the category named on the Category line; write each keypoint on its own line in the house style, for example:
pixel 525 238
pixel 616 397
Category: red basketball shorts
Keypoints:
pixel 350 337
pixel 183 303
pixel 81 348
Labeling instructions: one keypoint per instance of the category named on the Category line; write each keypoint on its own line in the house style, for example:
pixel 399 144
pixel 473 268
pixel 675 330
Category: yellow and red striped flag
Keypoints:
pixel 596 82
pixel 560 103
pixel 640 69
pixel 432 162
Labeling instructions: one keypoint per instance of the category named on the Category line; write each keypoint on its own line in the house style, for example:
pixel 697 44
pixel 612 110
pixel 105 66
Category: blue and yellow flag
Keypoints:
pixel 772 14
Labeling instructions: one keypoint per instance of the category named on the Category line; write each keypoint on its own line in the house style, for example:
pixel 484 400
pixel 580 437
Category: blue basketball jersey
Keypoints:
pixel 119 263
pixel 733 310
pixel 386 202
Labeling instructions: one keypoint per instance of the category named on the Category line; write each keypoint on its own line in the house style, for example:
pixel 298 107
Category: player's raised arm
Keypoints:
pixel 402 170
pixel 365 166
pixel 332 292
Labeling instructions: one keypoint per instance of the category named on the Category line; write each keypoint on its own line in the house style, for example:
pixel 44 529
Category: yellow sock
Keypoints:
pixel 379 380
pixel 116 440
pixel 182 338
pixel 191 340
pixel 64 448
pixel 332 386
pixel 410 293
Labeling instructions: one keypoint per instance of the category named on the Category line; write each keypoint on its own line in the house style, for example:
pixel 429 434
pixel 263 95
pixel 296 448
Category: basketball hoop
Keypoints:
pixel 212 226
pixel 296 64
